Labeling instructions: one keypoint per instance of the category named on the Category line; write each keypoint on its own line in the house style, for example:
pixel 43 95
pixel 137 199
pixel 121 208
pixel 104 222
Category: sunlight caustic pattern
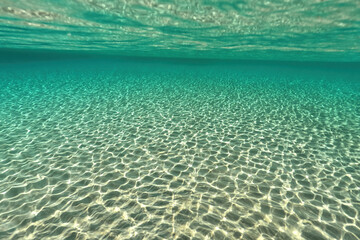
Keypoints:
pixel 159 151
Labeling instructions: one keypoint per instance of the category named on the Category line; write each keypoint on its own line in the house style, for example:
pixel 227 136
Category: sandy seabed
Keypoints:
pixel 171 151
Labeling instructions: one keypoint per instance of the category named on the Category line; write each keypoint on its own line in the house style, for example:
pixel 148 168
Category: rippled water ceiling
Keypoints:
pixel 248 29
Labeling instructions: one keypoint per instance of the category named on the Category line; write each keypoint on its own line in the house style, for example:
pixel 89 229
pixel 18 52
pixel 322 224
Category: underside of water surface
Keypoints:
pixel 304 30
pixel 194 119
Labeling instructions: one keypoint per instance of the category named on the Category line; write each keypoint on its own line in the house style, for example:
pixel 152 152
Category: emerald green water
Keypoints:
pixel 154 149
pixel 180 119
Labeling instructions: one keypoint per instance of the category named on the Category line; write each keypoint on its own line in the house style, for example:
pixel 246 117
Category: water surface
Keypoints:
pixel 304 30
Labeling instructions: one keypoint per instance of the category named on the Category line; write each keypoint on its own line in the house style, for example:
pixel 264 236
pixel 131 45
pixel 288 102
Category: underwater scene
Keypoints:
pixel 169 119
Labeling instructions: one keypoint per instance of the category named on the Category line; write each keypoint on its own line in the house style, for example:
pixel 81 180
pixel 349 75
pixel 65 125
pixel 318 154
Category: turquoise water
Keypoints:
pixel 304 30
pixel 148 119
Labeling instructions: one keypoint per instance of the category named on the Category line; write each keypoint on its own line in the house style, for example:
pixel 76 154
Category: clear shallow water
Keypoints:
pixel 140 149
pixel 97 146
pixel 310 30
